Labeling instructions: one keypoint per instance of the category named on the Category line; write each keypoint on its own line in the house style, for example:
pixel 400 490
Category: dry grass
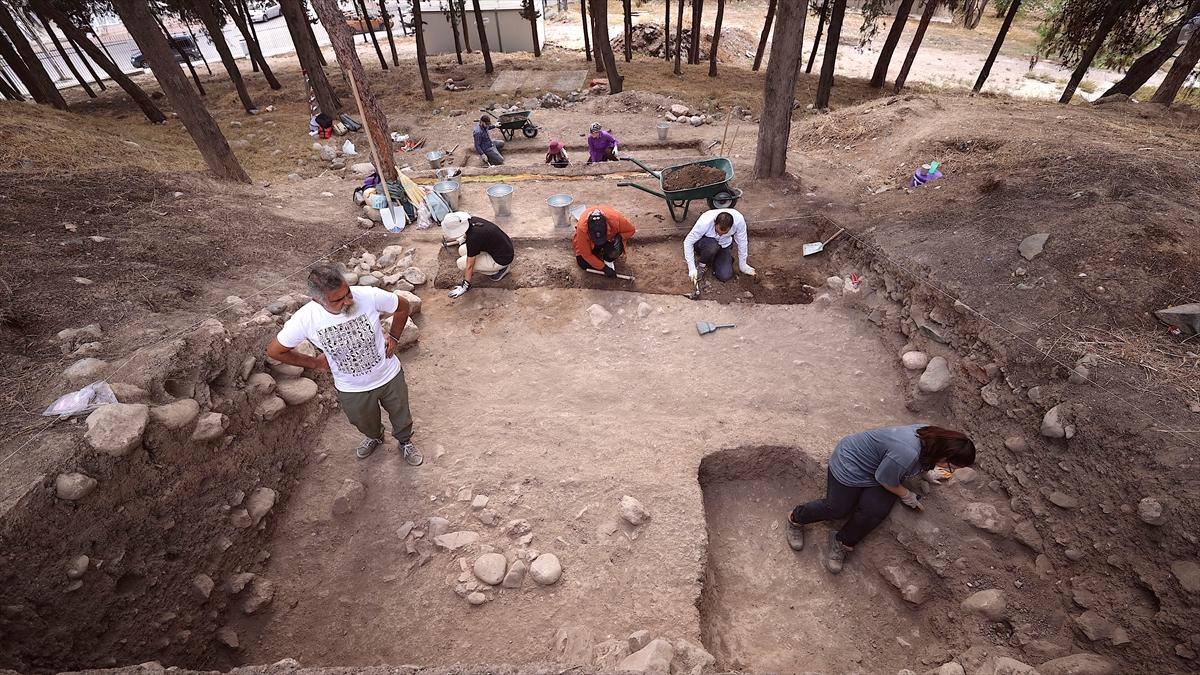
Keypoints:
pixel 1162 361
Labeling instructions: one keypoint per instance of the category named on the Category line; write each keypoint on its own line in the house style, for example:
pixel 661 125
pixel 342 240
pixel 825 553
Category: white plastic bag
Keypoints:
pixel 424 220
pixel 348 148
pixel 83 401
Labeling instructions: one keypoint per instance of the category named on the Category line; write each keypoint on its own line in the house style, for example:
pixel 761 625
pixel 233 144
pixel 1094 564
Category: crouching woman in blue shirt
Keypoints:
pixel 865 479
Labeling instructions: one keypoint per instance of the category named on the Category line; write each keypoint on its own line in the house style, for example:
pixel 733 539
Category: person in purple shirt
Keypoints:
pixel 602 145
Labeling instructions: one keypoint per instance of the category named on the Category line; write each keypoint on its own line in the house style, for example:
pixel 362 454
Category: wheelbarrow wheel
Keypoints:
pixel 722 200
pixel 529 130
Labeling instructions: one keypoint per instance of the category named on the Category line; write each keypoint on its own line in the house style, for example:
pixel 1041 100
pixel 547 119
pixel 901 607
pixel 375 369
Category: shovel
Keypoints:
pixel 706 327
pixel 812 248
pixel 623 277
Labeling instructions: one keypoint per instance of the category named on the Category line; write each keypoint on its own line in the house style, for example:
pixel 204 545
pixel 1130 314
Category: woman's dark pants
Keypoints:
pixel 865 506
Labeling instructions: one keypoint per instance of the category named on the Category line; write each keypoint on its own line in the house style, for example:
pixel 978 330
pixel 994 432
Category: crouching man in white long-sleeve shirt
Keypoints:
pixel 710 240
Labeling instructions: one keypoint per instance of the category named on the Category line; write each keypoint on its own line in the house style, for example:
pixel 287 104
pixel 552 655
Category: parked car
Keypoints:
pixel 181 43
pixel 356 24
pixel 265 11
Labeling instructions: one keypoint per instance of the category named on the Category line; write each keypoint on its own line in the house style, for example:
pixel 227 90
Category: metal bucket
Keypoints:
pixel 662 130
pixel 436 158
pixel 450 191
pixel 560 208
pixel 500 195
pixel 450 173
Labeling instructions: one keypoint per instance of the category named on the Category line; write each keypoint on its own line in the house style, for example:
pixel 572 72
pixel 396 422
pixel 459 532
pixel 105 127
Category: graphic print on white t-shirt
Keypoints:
pixel 352 345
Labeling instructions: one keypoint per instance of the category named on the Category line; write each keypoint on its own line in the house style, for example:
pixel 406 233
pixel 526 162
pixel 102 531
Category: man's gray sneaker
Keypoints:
pixel 500 275
pixel 367 446
pixel 411 454
pixel 835 557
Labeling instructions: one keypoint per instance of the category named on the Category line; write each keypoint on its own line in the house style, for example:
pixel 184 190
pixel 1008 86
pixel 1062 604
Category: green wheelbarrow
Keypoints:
pixel 719 194
pixel 510 123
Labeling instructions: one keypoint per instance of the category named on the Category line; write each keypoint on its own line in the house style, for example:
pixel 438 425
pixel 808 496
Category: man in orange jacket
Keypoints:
pixel 601 236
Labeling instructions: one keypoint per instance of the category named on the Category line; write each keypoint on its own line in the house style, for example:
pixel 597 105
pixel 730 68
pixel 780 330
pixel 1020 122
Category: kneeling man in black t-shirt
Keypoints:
pixel 487 250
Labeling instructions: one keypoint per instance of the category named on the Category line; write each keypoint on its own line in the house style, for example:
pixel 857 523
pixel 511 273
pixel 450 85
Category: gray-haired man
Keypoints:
pixel 344 322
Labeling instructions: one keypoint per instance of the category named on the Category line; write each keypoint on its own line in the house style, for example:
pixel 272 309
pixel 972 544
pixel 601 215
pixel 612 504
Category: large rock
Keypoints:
pixel 690 658
pixel 1058 422
pixel 1188 574
pixel 1003 665
pixel 269 408
pixel 949 668
pixel 116 429
pixel 986 517
pixel 598 315
pixel 545 569
pixel 414 301
pixel 202 586
pixel 363 168
pixel 175 415
pixel 516 575
pixel 261 593
pixel 74 486
pixel 210 427
pixel 409 335
pixel 653 659
pixel 606 655
pixel 633 512
pixel 414 276
pixel 452 541
pixel 1079 664
pixel 85 371
pixel 936 376
pixel 1184 317
pixel 573 646
pixel 989 604
pixel 1026 533
pixel 490 568
pixel 296 391
pixel 679 110
pixel 389 256
pixel 911 583
pixel 1095 627
pixel 1152 512
pixel 259 503
pixel 912 360
pixel 349 496
pixel 1032 246
pixel 260 384
pixel 227 636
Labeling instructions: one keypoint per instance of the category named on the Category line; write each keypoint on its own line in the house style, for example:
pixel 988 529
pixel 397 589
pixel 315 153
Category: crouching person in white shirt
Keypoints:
pixel 710 241
pixel 343 321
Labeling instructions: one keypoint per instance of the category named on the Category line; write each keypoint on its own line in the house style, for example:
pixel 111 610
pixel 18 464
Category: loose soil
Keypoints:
pixel 691 177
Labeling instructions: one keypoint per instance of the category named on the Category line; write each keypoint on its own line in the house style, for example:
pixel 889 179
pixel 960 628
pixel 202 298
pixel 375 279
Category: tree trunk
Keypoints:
pixel 387 25
pixel 65 57
pixel 9 90
pixel 1179 72
pixel 462 16
pixel 483 40
pixel 779 91
pixel 453 30
pixel 77 35
pixel 256 55
pixel 712 57
pixel 667 30
pixel 196 42
pixel 235 11
pixel 1115 9
pixel 930 7
pixel 245 7
pixel 825 85
pixel 817 40
pixel 697 22
pixel 627 11
pixel 1013 6
pixel 533 31
pixel 599 36
pixel 373 118
pixel 172 45
pixel 87 64
pixel 605 53
pixel 312 38
pixel 208 18
pixel 890 43
pixel 762 39
pixel 1149 63
pixel 9 55
pixel 679 37
pixel 140 22
pixel 296 18
pixel 422 57
pixel 27 65
pixel 366 19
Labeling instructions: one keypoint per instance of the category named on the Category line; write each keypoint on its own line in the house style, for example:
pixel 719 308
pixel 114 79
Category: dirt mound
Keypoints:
pixel 649 39
pixel 632 101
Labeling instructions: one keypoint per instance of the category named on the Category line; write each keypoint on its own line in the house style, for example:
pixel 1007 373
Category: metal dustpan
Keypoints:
pixel 706 327
pixel 815 247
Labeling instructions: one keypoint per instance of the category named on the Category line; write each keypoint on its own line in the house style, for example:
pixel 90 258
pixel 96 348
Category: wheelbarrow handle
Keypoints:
pixel 645 168
pixel 641 187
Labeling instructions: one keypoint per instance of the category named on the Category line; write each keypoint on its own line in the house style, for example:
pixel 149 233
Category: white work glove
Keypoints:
pixel 748 271
pixel 694 275
pixel 912 501
pixel 457 291
pixel 937 474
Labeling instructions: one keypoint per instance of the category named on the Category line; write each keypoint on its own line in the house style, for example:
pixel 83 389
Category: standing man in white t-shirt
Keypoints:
pixel 715 232
pixel 344 322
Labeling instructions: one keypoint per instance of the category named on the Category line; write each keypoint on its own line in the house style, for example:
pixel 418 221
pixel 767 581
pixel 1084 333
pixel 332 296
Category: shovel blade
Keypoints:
pixel 393 218
pixel 813 248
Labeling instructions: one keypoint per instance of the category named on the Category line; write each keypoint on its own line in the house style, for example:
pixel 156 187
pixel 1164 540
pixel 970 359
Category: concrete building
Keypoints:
pixel 506 30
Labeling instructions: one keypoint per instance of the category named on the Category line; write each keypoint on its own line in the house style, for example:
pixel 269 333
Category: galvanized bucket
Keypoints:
pixel 436 158
pixel 560 208
pixel 500 195
pixel 450 191
pixel 662 130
